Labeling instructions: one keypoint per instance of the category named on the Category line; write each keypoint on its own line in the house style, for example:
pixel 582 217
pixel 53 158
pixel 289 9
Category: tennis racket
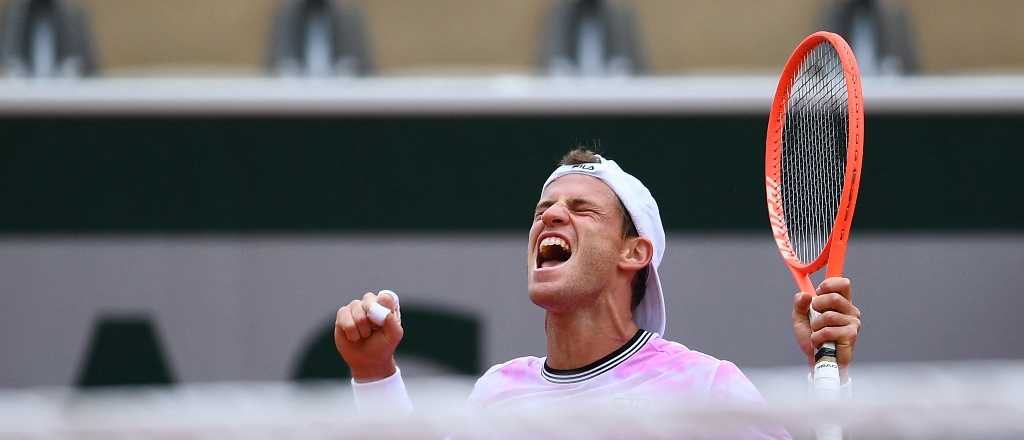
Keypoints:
pixel 813 157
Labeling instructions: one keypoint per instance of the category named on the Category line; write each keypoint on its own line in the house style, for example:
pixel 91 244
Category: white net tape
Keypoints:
pixel 982 400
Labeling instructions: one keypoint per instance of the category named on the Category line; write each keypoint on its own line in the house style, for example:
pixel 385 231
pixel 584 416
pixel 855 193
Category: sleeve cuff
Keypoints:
pixel 388 393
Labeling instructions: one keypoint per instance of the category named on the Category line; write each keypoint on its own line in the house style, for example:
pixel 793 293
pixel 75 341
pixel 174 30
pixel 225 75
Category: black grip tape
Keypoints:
pixel 824 351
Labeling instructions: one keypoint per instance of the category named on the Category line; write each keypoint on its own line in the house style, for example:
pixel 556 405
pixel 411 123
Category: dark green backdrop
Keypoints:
pixel 238 175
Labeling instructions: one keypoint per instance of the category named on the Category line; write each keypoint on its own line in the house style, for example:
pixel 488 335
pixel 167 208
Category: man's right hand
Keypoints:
pixel 368 350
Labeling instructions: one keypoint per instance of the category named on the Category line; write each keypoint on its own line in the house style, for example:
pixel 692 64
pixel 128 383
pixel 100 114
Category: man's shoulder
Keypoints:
pixel 519 373
pixel 517 366
pixel 674 354
pixel 671 359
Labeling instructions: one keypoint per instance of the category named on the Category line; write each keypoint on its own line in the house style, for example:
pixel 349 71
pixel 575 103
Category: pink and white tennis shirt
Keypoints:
pixel 646 367
pixel 645 370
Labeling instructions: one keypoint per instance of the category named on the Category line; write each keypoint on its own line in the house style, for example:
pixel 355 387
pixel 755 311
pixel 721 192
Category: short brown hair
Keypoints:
pixel 580 155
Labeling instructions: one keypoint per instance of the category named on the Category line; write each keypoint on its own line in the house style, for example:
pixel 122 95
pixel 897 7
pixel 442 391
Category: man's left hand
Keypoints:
pixel 839 321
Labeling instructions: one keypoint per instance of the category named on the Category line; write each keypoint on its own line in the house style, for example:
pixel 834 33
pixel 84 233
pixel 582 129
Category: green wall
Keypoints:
pixel 317 174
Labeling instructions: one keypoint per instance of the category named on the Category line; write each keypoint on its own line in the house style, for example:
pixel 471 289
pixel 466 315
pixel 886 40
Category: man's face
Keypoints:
pixel 575 242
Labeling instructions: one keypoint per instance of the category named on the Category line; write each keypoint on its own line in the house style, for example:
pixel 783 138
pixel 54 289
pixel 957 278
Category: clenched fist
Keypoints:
pixel 368 348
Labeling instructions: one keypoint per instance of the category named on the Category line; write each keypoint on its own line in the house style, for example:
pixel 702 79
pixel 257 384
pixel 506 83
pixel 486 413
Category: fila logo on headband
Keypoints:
pixel 583 167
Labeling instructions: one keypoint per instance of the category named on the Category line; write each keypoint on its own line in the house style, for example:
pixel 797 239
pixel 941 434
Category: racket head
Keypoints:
pixel 804 85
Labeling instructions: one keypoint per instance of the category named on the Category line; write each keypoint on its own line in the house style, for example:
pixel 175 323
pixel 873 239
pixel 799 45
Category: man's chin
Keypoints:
pixel 543 299
pixel 544 293
pixel 548 286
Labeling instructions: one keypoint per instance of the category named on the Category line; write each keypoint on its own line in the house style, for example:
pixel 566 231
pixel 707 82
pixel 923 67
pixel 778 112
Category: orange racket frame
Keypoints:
pixel 834 252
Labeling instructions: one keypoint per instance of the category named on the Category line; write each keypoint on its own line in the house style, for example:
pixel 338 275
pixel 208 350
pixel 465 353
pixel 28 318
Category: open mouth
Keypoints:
pixel 552 252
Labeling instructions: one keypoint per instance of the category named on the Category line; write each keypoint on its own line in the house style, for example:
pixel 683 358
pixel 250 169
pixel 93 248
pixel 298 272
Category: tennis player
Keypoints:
pixel 594 251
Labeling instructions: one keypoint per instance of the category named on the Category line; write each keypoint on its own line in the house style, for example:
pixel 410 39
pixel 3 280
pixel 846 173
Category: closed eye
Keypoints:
pixel 586 208
pixel 579 206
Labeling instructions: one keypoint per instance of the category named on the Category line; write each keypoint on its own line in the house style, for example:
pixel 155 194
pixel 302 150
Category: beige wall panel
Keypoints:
pixel 411 36
pixel 722 35
pixel 181 34
pixel 968 36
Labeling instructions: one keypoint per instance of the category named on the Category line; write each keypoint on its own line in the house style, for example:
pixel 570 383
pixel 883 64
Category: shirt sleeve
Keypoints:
pixel 487 386
pixel 388 393
pixel 730 384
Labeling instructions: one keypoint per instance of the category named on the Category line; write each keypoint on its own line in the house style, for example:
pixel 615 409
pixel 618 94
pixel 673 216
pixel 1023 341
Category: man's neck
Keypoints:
pixel 580 337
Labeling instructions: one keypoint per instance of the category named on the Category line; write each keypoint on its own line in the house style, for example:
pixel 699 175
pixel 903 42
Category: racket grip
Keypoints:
pixel 826 373
pixel 826 369
pixel 825 385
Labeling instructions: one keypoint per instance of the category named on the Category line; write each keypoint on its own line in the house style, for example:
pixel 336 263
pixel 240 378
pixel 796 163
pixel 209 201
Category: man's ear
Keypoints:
pixel 636 253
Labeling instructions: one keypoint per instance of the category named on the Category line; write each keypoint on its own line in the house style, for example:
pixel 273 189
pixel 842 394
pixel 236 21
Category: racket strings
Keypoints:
pixel 814 151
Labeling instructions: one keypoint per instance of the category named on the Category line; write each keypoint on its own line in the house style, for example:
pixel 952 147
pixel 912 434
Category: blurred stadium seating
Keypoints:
pixel 318 39
pixel 665 37
pixel 45 39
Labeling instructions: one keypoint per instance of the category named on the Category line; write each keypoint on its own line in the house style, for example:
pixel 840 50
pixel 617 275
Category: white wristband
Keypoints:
pixel 388 393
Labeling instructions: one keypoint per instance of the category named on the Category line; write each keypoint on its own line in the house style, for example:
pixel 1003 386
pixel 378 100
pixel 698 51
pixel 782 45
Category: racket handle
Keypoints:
pixel 826 373
pixel 825 380
pixel 826 369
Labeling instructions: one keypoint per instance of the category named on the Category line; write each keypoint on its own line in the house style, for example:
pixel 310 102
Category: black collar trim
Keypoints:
pixel 601 365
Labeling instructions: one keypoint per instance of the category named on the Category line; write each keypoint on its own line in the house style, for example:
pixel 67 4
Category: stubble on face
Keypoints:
pixel 585 210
